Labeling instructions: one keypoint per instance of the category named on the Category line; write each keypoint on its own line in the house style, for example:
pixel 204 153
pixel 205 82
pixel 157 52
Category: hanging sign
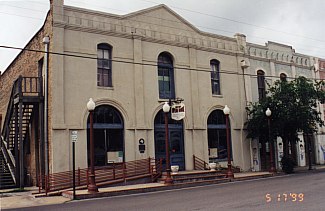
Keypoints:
pixel 178 111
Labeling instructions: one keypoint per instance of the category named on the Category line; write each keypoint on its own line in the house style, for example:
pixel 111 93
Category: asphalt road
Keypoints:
pixel 303 191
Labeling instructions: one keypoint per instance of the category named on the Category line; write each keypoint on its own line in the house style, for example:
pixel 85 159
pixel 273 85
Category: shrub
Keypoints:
pixel 287 164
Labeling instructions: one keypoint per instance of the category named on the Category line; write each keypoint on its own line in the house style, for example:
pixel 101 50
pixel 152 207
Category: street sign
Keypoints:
pixel 178 111
pixel 74 136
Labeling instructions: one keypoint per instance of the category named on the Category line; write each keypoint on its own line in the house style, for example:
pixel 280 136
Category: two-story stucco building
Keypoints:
pixel 130 65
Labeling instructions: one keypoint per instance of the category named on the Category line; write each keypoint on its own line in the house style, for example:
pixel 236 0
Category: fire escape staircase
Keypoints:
pixel 24 101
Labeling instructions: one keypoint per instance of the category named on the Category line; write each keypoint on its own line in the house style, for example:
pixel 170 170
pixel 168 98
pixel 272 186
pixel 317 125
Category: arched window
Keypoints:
pixel 261 84
pixel 215 76
pixel 217 136
pixel 104 65
pixel 108 135
pixel 165 76
pixel 283 77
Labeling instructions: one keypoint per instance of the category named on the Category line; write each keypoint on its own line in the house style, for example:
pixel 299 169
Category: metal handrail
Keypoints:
pixel 200 164
pixel 10 161
pixel 104 174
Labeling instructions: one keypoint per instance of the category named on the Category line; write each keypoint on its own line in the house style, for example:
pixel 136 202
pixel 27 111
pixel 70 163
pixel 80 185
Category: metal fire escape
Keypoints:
pixel 26 100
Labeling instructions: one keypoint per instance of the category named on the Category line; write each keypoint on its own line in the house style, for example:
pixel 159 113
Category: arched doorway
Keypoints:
pixel 176 140
pixel 217 136
pixel 108 135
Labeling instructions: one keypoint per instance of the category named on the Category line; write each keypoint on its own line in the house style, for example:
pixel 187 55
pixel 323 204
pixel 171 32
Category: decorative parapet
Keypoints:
pixel 278 53
pixel 109 24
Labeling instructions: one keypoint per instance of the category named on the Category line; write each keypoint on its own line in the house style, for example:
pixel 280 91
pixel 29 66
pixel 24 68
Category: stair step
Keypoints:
pixel 6 180
pixel 194 177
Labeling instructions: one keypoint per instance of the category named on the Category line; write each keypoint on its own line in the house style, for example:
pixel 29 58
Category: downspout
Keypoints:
pixel 46 41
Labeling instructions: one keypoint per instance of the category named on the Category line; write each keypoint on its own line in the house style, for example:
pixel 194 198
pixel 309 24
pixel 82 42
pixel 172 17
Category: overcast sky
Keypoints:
pixel 299 23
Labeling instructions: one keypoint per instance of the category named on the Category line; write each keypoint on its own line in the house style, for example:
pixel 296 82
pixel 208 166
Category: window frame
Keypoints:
pixel 283 77
pixel 215 77
pixel 261 84
pixel 102 68
pixel 165 69
pixel 216 124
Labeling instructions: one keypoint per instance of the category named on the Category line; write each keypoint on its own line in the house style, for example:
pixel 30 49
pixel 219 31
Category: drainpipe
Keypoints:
pixel 46 41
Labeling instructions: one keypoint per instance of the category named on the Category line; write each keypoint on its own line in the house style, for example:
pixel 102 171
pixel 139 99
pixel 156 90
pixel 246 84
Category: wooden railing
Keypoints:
pixel 29 86
pixel 199 164
pixel 105 175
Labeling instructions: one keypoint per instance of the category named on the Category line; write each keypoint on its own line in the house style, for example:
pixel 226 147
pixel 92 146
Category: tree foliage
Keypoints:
pixel 294 108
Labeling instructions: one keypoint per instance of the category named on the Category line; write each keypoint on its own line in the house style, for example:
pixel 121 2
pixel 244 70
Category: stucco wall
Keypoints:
pixel 135 86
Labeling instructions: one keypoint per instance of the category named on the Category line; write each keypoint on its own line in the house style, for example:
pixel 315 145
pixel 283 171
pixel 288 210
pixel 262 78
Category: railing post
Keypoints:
pixel 194 162
pixel 113 171
pixel 46 184
pixel 149 164
pixel 124 173
pixel 39 183
pixel 79 176
pixel 160 163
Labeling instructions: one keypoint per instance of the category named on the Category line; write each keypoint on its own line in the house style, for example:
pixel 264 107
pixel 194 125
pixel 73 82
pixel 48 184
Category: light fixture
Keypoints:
pixel 226 110
pixel 166 107
pixel 91 105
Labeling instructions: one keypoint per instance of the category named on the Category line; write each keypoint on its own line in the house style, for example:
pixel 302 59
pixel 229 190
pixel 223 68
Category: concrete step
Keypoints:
pixel 194 176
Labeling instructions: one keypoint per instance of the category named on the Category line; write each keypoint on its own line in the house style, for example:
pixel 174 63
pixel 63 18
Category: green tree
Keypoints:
pixel 294 108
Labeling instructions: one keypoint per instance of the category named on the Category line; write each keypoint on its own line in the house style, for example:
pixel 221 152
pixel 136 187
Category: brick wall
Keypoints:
pixel 26 65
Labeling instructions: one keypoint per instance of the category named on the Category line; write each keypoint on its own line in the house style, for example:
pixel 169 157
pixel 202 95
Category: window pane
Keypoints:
pixel 99 79
pixel 105 63
pixel 161 85
pixel 222 148
pixel 99 53
pixel 106 54
pixel 212 138
pixel 115 140
pixel 166 86
pixel 99 63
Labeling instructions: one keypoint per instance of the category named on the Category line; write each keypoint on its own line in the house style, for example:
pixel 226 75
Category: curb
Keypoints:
pixel 69 194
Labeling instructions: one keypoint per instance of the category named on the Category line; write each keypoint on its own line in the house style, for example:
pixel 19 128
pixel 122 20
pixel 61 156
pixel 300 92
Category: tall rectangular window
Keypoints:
pixel 104 65
pixel 165 76
pixel 215 77
pixel 261 84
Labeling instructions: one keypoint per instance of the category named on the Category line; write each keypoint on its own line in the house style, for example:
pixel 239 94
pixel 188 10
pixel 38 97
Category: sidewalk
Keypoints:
pixel 10 199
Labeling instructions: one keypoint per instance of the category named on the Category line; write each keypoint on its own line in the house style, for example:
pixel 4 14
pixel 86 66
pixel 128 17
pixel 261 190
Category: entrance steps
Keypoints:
pixel 196 177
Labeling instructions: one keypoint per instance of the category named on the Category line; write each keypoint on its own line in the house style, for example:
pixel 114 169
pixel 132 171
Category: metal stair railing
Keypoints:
pixel 23 88
pixel 200 164
pixel 6 125
pixel 105 175
pixel 9 159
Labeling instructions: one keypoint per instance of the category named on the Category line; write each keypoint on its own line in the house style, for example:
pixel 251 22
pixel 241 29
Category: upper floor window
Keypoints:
pixel 104 65
pixel 283 77
pixel 261 84
pixel 215 76
pixel 166 76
